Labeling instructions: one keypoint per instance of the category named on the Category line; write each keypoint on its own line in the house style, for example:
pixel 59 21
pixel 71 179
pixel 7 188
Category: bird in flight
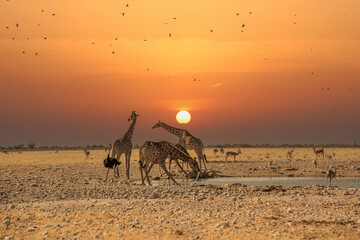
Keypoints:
pixel 13 38
pixel 123 14
pixel 169 34
pixel 116 38
pixel 145 40
pixel 174 18
pixel 113 52
pixel 17 25
pixel 45 38
pixel 148 69
pixel 23 52
pixel 53 14
pixel 127 5
pixel 42 10
pixel 237 14
pixel 36 54
pixel 243 25
pixel 211 30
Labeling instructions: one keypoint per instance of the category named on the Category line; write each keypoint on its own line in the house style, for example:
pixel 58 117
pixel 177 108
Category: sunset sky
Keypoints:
pixel 290 75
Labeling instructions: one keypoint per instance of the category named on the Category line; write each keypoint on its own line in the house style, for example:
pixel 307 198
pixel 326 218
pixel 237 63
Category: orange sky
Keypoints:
pixel 261 83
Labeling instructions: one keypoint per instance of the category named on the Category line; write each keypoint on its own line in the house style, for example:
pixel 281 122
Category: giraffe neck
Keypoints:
pixel 176 131
pixel 129 133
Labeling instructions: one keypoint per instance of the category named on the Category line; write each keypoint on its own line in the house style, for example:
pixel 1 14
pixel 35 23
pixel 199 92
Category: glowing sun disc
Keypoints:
pixel 183 117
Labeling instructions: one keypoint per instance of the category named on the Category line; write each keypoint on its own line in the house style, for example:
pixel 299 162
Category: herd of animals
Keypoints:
pixel 151 153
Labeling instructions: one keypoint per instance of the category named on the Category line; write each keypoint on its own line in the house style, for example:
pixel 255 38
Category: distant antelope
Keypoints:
pixel 330 175
pixel 5 152
pixel 319 152
pixel 216 151
pixel 289 154
pixel 330 156
pixel 231 153
pixel 87 154
pixel 222 151
pixel 315 163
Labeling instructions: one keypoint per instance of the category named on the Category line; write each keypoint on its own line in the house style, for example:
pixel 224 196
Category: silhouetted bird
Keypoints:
pixel 123 14
pixel 127 5
pixel 113 52
pixel 174 18
pixel 250 12
pixel 36 54
pixel 147 69
pixel 169 34
pixel 145 40
pixel 42 10
pixel 243 25
pixel 17 25
pixel 27 38
pixel 7 27
pixel 45 38
pixel 237 14
pixel 13 38
pixel 53 14
pixel 116 39
pixel 93 43
pixel 23 52
pixel 211 30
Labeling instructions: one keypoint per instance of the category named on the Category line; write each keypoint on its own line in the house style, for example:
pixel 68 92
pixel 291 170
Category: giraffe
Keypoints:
pixel 181 148
pixel 151 153
pixel 124 145
pixel 187 140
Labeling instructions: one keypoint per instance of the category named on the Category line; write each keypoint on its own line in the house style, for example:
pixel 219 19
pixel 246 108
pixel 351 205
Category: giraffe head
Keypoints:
pixel 133 116
pixel 157 125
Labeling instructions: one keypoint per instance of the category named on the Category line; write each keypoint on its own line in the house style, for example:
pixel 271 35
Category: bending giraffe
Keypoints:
pixel 124 145
pixel 152 153
pixel 187 140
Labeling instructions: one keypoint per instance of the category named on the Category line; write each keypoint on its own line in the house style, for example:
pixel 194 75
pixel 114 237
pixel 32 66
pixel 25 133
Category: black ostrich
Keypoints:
pixel 112 163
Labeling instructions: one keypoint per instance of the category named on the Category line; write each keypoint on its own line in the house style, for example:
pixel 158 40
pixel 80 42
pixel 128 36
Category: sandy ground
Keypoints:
pixel 61 195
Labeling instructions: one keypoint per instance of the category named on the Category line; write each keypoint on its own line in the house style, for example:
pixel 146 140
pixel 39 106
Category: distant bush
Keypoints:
pixel 31 145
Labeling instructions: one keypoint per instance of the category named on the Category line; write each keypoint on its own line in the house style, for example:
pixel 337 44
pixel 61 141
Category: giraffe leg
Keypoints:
pixel 150 167
pixel 177 163
pixel 147 175
pixel 127 156
pixel 167 173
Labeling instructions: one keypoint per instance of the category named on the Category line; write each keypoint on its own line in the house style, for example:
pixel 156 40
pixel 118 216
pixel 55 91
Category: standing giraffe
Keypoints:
pixel 187 140
pixel 124 145
pixel 151 153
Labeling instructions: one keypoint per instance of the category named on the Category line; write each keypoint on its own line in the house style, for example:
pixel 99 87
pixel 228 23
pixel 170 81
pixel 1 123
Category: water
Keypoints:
pixel 275 181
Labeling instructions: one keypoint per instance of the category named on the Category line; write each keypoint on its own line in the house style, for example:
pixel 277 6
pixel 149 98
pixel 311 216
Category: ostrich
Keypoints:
pixel 111 163
pixel 108 148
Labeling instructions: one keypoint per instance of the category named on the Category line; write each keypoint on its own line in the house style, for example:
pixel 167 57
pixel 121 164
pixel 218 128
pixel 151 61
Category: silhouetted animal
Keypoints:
pixel 111 163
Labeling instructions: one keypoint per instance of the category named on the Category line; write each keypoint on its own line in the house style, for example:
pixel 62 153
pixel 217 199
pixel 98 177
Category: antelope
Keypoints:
pixel 231 153
pixel 330 175
pixel 87 154
pixel 330 156
pixel 222 151
pixel 216 151
pixel 289 154
pixel 319 152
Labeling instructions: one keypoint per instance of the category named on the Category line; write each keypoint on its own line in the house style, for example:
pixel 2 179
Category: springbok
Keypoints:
pixel 231 153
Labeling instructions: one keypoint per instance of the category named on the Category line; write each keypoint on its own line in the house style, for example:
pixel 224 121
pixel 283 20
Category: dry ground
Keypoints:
pixel 61 195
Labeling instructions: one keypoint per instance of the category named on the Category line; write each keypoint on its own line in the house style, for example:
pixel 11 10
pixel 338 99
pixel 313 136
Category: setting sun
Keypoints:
pixel 183 117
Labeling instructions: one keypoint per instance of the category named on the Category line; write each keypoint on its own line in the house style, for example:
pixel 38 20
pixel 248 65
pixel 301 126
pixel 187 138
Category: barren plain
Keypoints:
pixel 48 195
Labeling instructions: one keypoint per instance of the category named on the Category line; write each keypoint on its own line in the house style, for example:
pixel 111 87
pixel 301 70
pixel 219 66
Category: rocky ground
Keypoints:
pixel 69 199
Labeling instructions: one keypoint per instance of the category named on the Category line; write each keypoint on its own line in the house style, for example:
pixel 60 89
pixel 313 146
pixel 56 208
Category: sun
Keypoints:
pixel 183 117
